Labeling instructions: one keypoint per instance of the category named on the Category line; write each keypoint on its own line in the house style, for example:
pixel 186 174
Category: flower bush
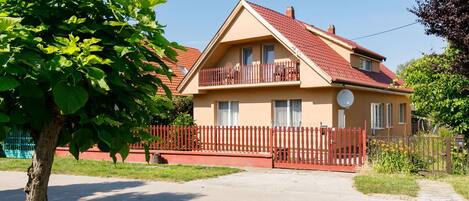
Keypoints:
pixel 394 157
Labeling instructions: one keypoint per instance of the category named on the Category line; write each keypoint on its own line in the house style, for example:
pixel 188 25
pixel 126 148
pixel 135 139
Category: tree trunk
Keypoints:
pixel 40 169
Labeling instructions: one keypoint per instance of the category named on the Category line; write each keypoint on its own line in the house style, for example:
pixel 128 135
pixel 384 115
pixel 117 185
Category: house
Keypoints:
pixel 265 68
pixel 185 60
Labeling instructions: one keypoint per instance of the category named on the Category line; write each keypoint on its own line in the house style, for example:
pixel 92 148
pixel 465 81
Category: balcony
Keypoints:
pixel 250 74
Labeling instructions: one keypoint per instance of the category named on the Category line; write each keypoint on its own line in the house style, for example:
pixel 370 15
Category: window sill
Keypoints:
pixel 402 123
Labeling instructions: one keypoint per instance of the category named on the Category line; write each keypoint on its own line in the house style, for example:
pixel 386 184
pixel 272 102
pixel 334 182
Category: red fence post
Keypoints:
pixel 364 144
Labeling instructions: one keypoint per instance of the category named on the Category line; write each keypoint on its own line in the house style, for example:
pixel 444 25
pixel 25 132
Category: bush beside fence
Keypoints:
pixel 411 154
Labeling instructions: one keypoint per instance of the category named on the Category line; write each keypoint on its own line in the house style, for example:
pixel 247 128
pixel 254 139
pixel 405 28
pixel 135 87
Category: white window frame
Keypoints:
pixel 289 112
pixel 402 113
pixel 263 52
pixel 364 64
pixel 230 120
pixel 243 62
pixel 377 122
pixel 389 115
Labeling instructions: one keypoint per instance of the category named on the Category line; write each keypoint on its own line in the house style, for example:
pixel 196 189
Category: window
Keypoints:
pixel 183 70
pixel 402 113
pixel 247 56
pixel 228 113
pixel 341 119
pixel 287 113
pixel 377 115
pixel 268 56
pixel 389 115
pixel 365 64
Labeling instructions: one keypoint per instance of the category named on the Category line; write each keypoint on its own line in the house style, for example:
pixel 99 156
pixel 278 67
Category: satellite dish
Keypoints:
pixel 345 98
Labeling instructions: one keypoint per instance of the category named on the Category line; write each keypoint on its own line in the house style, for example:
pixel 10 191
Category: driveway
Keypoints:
pixel 253 184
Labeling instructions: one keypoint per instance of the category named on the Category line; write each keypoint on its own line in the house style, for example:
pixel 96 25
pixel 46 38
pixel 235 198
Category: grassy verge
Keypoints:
pixel 387 184
pixel 178 173
pixel 460 184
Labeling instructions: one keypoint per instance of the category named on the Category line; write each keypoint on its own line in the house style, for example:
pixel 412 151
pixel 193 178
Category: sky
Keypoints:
pixel 194 23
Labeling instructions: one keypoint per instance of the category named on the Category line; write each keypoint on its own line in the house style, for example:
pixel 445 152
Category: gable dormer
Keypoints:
pixel 358 56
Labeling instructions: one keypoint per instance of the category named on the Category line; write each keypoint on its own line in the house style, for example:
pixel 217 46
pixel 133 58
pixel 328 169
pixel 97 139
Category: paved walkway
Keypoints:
pixel 256 184
pixel 437 191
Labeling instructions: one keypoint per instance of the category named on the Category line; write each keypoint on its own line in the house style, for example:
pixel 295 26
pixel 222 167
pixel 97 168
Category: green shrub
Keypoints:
pixel 183 120
pixel 460 161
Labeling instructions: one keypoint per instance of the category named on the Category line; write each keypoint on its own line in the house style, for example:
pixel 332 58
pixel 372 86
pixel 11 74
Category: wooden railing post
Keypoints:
pixel 449 162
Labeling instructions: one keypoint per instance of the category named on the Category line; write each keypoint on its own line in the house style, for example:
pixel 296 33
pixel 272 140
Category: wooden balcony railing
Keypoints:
pixel 250 74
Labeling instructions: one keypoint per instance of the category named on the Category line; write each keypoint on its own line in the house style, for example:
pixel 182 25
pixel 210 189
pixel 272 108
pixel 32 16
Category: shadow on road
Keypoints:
pixel 77 191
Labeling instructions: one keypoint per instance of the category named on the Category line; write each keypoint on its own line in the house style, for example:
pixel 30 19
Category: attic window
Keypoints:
pixel 365 64
pixel 183 70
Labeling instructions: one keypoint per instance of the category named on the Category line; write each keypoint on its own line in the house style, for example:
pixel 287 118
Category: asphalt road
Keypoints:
pixel 253 184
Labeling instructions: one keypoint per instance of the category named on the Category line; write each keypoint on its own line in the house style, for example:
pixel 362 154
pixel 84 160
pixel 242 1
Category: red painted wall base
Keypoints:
pixel 95 154
pixel 217 159
pixel 183 157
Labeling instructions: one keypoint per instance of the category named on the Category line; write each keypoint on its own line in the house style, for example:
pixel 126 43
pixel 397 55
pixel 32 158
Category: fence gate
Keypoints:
pixel 329 149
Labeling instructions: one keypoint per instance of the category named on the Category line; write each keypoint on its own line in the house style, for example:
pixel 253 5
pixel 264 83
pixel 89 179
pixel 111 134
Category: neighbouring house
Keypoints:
pixel 185 60
pixel 265 68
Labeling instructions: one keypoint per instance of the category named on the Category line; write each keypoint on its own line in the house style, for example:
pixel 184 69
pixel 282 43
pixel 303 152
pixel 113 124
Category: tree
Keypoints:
pixel 78 73
pixel 448 19
pixel 402 67
pixel 173 111
pixel 439 94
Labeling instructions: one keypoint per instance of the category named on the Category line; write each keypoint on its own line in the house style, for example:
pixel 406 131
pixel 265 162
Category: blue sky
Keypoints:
pixel 193 23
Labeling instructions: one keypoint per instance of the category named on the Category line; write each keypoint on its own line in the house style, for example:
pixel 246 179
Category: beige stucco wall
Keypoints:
pixel 245 26
pixel 342 51
pixel 319 106
pixel 360 111
pixel 255 105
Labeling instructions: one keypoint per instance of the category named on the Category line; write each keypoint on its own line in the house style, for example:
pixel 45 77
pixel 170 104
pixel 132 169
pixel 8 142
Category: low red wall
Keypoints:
pixel 95 154
pixel 217 159
pixel 183 157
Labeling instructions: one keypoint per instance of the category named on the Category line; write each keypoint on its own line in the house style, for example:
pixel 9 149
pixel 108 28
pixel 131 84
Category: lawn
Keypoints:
pixel 460 184
pixel 177 173
pixel 387 184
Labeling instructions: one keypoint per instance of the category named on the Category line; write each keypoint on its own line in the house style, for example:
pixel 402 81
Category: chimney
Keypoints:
pixel 331 29
pixel 290 12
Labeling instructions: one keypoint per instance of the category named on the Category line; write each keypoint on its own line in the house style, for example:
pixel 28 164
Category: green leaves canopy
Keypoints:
pixel 88 59
pixel 438 92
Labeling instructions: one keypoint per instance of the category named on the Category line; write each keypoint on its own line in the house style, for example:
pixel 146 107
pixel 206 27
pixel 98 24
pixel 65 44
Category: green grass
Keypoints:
pixel 387 184
pixel 460 184
pixel 177 173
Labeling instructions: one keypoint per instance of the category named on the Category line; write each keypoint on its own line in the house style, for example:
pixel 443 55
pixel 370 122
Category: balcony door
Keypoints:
pixel 246 68
pixel 268 59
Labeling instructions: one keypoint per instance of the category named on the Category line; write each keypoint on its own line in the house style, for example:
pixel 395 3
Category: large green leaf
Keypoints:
pixel 6 23
pixel 4 118
pixel 83 138
pixel 69 98
pixel 96 73
pixel 7 83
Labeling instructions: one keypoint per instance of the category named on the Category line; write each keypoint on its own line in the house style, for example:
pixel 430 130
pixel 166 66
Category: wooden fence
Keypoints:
pixel 291 147
pixel 433 152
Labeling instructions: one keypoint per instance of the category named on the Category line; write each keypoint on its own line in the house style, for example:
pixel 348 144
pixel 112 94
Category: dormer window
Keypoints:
pixel 365 64
pixel 183 70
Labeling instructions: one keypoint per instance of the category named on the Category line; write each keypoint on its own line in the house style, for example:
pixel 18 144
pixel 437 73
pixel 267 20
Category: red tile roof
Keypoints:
pixel 186 58
pixel 323 55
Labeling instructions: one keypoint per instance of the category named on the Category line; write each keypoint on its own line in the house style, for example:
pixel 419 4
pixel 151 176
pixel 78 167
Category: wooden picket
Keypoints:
pixel 339 149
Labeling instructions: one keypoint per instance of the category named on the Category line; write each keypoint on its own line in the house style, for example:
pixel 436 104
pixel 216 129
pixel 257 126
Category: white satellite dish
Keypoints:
pixel 345 98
